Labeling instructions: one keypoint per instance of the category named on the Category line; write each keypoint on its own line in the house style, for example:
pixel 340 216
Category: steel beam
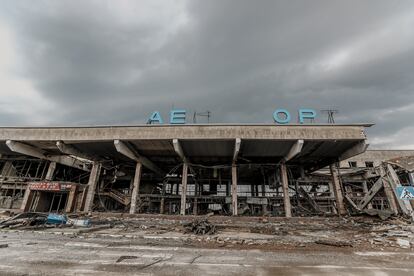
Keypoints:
pixel 41 154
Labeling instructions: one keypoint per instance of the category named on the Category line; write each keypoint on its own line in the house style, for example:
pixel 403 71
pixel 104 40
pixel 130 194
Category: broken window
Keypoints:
pixel 369 164
pixel 352 164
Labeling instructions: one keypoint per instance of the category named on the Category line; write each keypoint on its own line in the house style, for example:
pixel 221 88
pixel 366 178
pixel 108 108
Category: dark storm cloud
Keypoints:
pixel 239 59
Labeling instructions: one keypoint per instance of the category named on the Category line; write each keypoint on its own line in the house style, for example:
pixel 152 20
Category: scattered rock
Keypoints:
pixel 396 233
pixel 122 258
pixel 403 243
pixel 334 243
pixel 382 214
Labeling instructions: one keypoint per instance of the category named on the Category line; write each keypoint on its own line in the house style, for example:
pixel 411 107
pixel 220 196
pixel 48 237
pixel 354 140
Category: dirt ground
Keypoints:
pixel 264 233
pixel 127 243
pixel 268 233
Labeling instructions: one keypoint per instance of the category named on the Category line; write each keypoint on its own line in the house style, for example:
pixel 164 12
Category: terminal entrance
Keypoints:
pixel 52 202
pixel 51 197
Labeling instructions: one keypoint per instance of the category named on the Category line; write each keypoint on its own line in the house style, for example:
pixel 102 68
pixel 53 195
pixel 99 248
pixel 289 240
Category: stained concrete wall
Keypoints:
pixel 376 156
pixel 246 131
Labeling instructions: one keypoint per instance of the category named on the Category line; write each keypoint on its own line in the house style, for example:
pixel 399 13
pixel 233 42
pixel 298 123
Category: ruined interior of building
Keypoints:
pixel 250 177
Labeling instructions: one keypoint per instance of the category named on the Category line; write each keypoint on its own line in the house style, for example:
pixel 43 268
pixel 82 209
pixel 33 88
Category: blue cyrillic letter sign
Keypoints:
pixel 306 114
pixel 279 120
pixel 177 116
pixel 155 118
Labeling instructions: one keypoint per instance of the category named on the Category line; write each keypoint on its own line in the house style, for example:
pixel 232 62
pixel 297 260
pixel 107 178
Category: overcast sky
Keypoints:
pixel 114 62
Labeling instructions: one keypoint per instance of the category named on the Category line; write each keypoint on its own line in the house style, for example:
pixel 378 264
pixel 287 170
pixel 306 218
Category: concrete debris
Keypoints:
pixel 334 243
pixel 200 227
pixel 41 220
pixel 398 233
pixel 240 232
pixel 405 162
pixel 403 243
pixel 80 222
pixel 5 245
pixel 96 228
pixel 382 214
pixel 24 220
pixel 122 258
pixel 56 219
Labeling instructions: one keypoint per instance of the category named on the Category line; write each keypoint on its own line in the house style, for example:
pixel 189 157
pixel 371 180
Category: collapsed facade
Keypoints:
pixel 289 170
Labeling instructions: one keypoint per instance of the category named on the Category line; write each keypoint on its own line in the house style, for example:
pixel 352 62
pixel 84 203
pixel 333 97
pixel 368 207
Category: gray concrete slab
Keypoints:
pixel 208 131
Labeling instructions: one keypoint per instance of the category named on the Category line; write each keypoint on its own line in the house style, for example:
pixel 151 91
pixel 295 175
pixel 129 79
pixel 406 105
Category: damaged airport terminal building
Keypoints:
pixel 229 169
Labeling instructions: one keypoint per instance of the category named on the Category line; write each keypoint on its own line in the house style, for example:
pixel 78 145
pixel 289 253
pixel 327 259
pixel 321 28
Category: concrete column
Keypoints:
pixel 228 188
pixel 71 199
pixel 339 198
pixel 195 207
pixel 131 185
pixel 263 189
pixel 50 171
pixel 365 188
pixel 213 189
pixel 331 189
pixel 388 190
pixel 411 178
pixel 234 203
pixel 27 195
pixel 196 189
pixel 135 188
pixel 184 189
pixel 264 209
pixel 332 194
pixel 162 205
pixel 285 187
pixel 5 171
pixel 93 180
pixel 177 188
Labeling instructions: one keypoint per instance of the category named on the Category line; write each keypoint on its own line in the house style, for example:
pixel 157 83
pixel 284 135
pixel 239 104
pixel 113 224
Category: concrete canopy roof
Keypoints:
pixel 202 144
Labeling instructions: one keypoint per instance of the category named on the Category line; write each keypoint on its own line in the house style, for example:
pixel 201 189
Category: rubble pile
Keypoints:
pixel 393 235
pixel 37 220
pixel 200 227
pixel 24 220
pixel 343 233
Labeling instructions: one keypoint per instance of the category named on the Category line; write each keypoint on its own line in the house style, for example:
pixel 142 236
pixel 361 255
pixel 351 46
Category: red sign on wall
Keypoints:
pixel 50 186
